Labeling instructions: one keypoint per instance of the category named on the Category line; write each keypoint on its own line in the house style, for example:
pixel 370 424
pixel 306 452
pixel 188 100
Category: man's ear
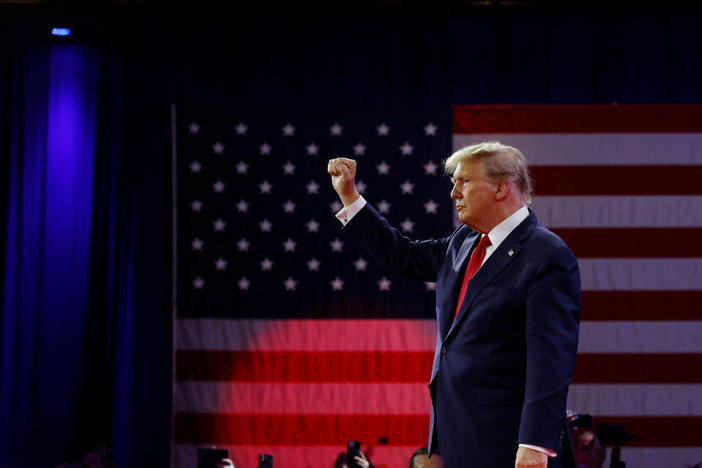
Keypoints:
pixel 502 189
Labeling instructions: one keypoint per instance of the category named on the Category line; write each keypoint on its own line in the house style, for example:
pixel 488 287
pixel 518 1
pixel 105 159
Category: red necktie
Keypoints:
pixel 476 259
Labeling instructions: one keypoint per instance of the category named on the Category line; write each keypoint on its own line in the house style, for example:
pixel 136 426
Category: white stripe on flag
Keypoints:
pixel 292 335
pixel 640 337
pixel 595 149
pixel 623 211
pixel 312 398
pixel 641 274
pixel 302 398
pixel 306 335
pixel 636 399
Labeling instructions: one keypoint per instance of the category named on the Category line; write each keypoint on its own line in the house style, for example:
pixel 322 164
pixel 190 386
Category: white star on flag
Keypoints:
pixel 430 129
pixel 336 129
pixel 219 224
pixel 265 225
pixel 383 129
pixel 266 264
pixel 218 186
pixel 313 264
pixel 265 187
pixel 312 225
pixel 361 186
pixel 384 284
pixel 359 149
pixel 407 225
pixel 194 128
pixel 360 264
pixel 197 244
pixel 406 149
pixel 242 206
pixel 336 206
pixel 407 187
pixel 198 283
pixel 288 130
pixel 430 168
pixel 195 166
pixel 312 187
pixel 221 264
pixel 218 148
pixel 290 284
pixel 196 205
pixel 241 128
pixel 384 206
pixel 244 283
pixel 242 167
pixel 289 245
pixel 430 286
pixel 288 168
pixel 312 149
pixel 431 206
pixel 336 245
pixel 383 168
pixel 265 148
pixel 337 284
pixel 289 206
pixel 243 245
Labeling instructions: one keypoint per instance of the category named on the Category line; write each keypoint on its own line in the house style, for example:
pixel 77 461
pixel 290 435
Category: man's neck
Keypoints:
pixel 503 213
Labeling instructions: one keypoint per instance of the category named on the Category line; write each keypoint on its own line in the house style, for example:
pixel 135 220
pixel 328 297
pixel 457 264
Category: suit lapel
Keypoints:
pixel 505 253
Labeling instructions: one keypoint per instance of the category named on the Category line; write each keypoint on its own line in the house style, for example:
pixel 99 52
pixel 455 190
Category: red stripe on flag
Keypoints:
pixel 638 368
pixel 302 429
pixel 320 430
pixel 617 180
pixel 642 305
pixel 578 119
pixel 292 366
pixel 658 431
pixel 633 242
pixel 364 367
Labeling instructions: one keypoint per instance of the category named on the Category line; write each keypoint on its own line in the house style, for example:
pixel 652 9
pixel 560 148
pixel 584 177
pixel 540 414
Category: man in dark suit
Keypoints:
pixel 507 309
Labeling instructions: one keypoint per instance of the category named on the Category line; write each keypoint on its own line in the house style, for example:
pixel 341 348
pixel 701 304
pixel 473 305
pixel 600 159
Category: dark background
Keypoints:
pixel 87 340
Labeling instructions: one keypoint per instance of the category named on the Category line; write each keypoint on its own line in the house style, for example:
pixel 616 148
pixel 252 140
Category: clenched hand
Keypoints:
pixel 343 178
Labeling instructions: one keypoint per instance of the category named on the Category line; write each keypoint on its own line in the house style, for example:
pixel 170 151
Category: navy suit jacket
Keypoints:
pixel 502 368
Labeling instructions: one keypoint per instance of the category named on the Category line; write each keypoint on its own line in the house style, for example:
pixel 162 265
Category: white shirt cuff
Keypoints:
pixel 346 214
pixel 548 452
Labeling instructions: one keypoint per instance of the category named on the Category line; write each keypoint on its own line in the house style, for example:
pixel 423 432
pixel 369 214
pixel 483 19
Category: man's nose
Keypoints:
pixel 455 194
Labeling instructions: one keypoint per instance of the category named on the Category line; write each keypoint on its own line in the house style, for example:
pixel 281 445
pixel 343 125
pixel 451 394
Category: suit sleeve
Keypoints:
pixel 416 259
pixel 552 318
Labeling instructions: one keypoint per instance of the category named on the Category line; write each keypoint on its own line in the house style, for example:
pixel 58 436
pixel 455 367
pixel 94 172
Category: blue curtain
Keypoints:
pixel 85 330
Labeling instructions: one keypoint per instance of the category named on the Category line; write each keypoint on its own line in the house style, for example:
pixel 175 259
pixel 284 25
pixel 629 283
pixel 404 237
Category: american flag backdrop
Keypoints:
pixel 291 341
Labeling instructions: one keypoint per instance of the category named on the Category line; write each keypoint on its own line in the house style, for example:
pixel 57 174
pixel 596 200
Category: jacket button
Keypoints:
pixel 443 350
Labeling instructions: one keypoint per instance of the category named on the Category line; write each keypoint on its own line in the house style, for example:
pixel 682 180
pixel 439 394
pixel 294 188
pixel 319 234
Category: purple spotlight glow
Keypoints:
pixel 60 32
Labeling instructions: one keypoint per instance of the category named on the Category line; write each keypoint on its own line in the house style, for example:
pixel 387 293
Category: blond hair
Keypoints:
pixel 499 162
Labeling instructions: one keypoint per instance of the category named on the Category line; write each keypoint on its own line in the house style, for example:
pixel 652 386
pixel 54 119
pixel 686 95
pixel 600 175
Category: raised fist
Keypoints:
pixel 343 178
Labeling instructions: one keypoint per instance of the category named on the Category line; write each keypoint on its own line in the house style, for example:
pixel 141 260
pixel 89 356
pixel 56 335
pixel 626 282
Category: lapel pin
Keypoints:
pixel 510 253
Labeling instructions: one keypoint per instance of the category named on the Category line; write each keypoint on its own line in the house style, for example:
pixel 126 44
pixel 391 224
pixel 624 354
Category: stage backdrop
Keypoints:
pixel 291 341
